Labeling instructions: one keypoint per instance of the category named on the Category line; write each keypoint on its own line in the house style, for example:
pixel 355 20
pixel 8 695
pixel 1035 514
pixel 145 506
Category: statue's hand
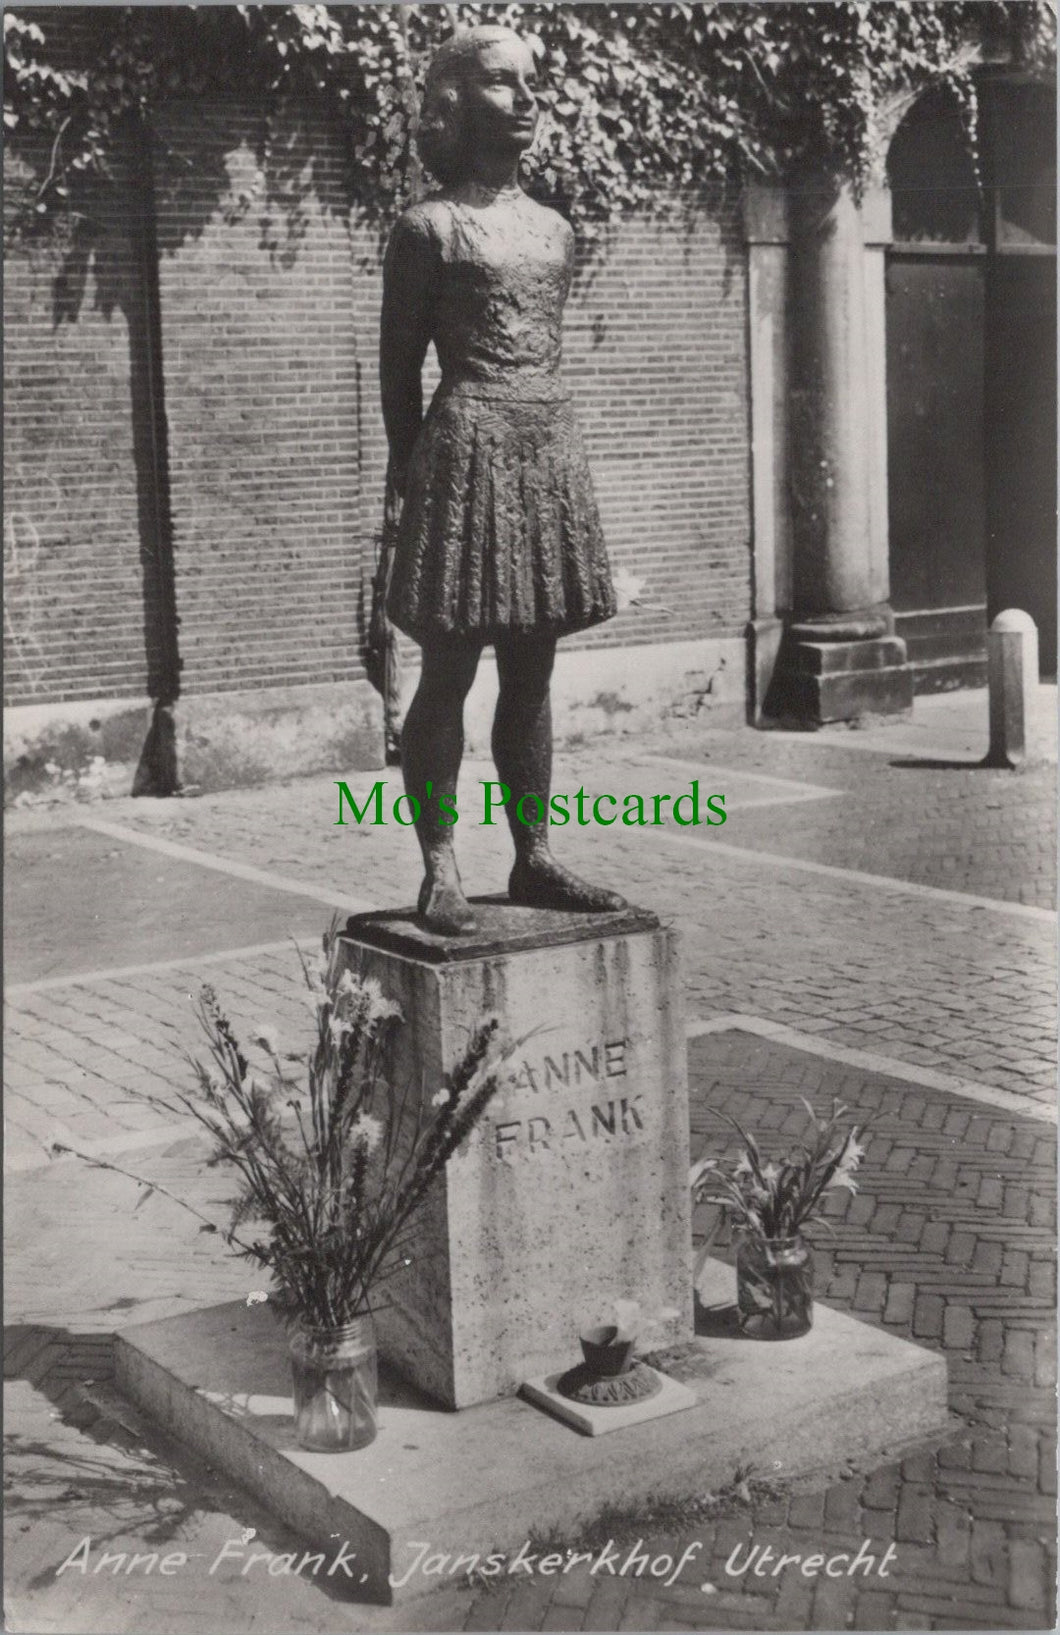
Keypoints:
pixel 396 483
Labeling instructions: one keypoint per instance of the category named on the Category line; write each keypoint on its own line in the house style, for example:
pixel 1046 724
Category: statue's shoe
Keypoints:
pixel 445 909
pixel 549 885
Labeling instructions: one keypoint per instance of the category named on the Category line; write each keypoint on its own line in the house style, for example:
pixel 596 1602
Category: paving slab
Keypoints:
pixel 77 901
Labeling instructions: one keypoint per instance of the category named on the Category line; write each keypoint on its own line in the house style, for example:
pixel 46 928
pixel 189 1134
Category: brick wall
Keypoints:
pixel 267 313
pixel 656 350
pixel 256 291
pixel 79 598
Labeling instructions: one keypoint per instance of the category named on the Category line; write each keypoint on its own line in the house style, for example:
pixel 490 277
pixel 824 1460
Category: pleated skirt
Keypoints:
pixel 499 532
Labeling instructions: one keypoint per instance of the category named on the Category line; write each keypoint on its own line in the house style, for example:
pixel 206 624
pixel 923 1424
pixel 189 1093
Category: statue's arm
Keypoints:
pixel 409 281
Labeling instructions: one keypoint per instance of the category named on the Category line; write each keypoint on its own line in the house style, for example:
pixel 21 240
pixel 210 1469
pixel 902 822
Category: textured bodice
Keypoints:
pixel 499 281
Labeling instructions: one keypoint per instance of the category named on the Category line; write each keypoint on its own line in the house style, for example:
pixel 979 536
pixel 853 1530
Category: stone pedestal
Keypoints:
pixel 573 1192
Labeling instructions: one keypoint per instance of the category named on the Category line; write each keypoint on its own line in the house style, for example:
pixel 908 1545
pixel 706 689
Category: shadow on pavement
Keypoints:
pixel 99 1469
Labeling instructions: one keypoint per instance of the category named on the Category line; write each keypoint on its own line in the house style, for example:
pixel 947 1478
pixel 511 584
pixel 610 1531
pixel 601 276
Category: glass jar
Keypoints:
pixel 774 1286
pixel 335 1385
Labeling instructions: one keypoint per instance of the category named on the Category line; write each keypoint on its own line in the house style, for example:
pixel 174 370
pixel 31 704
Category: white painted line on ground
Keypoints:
pixel 224 865
pixel 113 973
pixel 278 882
pixel 808 790
pixel 959 753
pixel 964 753
pixel 885 882
pixel 867 1060
pixel 793 790
pixel 244 871
pixel 870 1061
pixel 739 805
pixel 108 1146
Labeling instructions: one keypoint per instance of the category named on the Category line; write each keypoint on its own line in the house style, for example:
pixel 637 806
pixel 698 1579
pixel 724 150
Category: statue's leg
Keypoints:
pixel 522 749
pixel 432 746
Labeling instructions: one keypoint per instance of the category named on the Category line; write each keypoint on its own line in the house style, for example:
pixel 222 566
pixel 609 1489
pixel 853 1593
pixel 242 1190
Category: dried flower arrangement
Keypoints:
pixel 334 1169
pixel 776 1200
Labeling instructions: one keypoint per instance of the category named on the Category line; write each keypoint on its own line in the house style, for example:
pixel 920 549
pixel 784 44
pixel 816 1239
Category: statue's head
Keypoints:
pixel 478 94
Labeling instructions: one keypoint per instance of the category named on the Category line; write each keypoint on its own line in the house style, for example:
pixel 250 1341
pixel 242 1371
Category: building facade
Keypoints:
pixel 818 425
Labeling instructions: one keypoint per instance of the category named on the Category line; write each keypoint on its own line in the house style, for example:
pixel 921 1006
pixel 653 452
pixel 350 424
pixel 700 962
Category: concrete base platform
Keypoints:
pixel 487 1478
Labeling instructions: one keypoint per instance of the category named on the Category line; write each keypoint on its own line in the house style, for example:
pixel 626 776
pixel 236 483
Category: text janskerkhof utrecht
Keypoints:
pixel 635 811
pixel 341 1562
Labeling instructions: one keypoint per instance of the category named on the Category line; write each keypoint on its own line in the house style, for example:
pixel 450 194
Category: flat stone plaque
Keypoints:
pixel 573 1192
pixel 592 1419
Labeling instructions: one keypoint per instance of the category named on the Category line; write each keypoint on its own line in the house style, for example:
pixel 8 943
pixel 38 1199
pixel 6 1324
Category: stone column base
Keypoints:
pixel 820 681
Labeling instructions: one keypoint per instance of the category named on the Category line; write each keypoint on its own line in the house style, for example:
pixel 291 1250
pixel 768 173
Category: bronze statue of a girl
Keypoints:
pixel 499 537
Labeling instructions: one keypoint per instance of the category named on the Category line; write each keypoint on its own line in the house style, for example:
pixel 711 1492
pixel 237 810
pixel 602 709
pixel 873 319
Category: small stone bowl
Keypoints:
pixel 605 1355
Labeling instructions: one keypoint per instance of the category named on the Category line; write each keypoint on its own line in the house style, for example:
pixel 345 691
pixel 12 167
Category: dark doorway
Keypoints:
pixel 971 401
pixel 1020 122
pixel 937 462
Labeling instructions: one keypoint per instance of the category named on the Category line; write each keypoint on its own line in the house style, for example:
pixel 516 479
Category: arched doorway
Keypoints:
pixel 971 402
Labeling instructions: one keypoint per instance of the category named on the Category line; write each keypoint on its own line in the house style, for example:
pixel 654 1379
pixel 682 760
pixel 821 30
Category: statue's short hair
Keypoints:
pixel 441 135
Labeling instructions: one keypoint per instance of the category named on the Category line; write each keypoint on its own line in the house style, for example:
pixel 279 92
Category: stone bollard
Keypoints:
pixel 1012 654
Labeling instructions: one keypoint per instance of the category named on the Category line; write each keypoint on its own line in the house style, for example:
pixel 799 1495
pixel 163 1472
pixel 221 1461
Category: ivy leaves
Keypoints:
pixel 640 102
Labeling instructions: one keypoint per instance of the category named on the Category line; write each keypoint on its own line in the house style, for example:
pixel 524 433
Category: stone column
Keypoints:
pixel 842 658
pixel 766 234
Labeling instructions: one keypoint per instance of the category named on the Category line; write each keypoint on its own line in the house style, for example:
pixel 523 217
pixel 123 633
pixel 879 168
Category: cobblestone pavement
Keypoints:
pixel 873 908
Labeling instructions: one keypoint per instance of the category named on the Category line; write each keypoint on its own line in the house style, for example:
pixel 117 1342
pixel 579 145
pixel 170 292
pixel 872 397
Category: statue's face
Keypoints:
pixel 501 107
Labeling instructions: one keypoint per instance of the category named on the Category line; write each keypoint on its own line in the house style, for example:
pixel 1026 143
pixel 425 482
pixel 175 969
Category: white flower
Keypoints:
pixel 378 1007
pixel 349 986
pixel 441 1098
pixel 366 1131
pixel 338 1027
pixel 700 1169
pixel 256 1297
pixel 266 1037
pixel 852 1155
pixel 627 1319
pixel 365 997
